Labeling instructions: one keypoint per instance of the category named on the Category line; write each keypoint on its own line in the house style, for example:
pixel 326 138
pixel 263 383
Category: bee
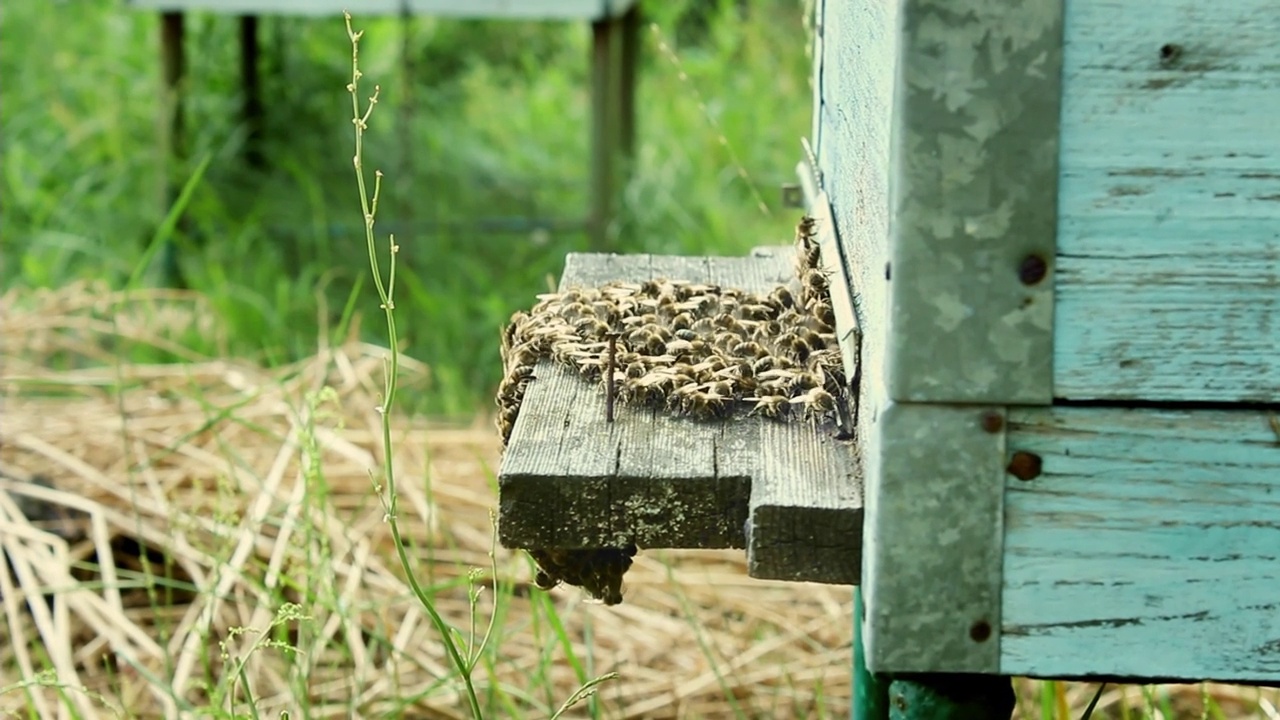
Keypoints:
pixel 523 355
pixel 818 403
pixel 506 422
pixel 651 288
pixel 682 321
pixel 773 407
pixel 781 298
pixel 678 399
pixel 749 349
pixel 728 322
pixel 793 345
pixel 514 328
pixel 756 311
pixel 706 401
pixel 647 341
pixel 591 327
pixel 642 319
pixel 707 368
pixel 828 360
pixel 703 326
pixel 816 283
pixel 822 312
pixel 724 341
pixel 767 330
pixel 644 390
pixel 679 347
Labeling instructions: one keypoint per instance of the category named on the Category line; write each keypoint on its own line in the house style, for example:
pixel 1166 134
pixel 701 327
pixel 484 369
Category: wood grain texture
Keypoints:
pixel 570 480
pixel 1168 278
pixel 1149 547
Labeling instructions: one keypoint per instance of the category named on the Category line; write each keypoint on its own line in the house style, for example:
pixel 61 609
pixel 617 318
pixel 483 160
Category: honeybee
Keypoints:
pixel 749 349
pixel 727 322
pixel 781 298
pixel 591 327
pixel 823 313
pixel 756 311
pixel 682 321
pixel 703 326
pixel 816 283
pixel 818 403
pixel 770 406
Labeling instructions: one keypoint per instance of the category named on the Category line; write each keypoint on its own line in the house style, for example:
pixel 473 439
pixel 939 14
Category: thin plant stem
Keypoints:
pixel 369 208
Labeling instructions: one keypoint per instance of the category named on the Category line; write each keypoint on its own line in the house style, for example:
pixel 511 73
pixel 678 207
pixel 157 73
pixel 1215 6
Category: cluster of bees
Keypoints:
pixel 695 350
pixel 599 571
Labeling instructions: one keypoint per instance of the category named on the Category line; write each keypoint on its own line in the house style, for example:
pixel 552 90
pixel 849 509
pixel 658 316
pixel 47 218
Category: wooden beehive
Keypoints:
pixel 1061 222
pixel 1056 224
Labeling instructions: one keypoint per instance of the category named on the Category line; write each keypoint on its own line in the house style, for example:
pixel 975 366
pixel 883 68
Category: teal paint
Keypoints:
pixel 1168 279
pixel 1149 547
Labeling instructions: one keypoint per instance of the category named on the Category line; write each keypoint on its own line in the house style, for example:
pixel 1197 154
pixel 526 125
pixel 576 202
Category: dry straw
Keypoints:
pixel 253 487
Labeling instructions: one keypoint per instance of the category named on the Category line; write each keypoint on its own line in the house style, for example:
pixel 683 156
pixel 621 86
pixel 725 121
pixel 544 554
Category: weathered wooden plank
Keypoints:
pixel 806 500
pixel 1148 546
pixel 805 520
pixel 569 479
pixel 1168 278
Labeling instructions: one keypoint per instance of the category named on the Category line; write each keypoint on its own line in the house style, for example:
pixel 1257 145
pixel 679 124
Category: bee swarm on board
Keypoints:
pixel 693 349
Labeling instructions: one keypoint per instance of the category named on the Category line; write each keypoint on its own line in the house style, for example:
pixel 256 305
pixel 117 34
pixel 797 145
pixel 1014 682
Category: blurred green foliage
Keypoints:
pixel 482 125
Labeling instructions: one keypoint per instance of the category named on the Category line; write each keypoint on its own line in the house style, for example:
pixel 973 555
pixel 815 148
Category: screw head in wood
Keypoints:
pixel 1025 466
pixel 980 631
pixel 1032 269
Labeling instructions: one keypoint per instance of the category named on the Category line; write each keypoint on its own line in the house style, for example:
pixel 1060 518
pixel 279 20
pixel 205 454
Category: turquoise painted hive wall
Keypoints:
pixel 1144 539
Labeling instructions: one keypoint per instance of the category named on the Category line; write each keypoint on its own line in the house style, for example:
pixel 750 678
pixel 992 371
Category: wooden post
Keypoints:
pixel 631 22
pixel 614 46
pixel 171 130
pixel 251 85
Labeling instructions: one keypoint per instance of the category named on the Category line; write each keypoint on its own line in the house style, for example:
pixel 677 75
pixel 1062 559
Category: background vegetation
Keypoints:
pixel 482 132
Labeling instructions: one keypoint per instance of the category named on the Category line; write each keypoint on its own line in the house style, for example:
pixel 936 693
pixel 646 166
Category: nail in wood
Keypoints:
pixel 609 391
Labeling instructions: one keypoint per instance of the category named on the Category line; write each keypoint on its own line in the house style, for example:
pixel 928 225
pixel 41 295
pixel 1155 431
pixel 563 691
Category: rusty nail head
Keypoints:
pixel 980 631
pixel 992 421
pixel 1025 466
pixel 1032 270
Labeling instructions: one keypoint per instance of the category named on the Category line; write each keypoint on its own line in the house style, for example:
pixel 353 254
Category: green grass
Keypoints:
pixel 482 124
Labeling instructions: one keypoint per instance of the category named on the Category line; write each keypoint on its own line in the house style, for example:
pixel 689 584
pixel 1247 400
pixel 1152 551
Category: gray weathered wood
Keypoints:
pixel 1149 546
pixel 571 480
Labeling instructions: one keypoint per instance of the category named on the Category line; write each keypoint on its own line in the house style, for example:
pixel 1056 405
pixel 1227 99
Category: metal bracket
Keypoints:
pixel 975 188
pixel 933 544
